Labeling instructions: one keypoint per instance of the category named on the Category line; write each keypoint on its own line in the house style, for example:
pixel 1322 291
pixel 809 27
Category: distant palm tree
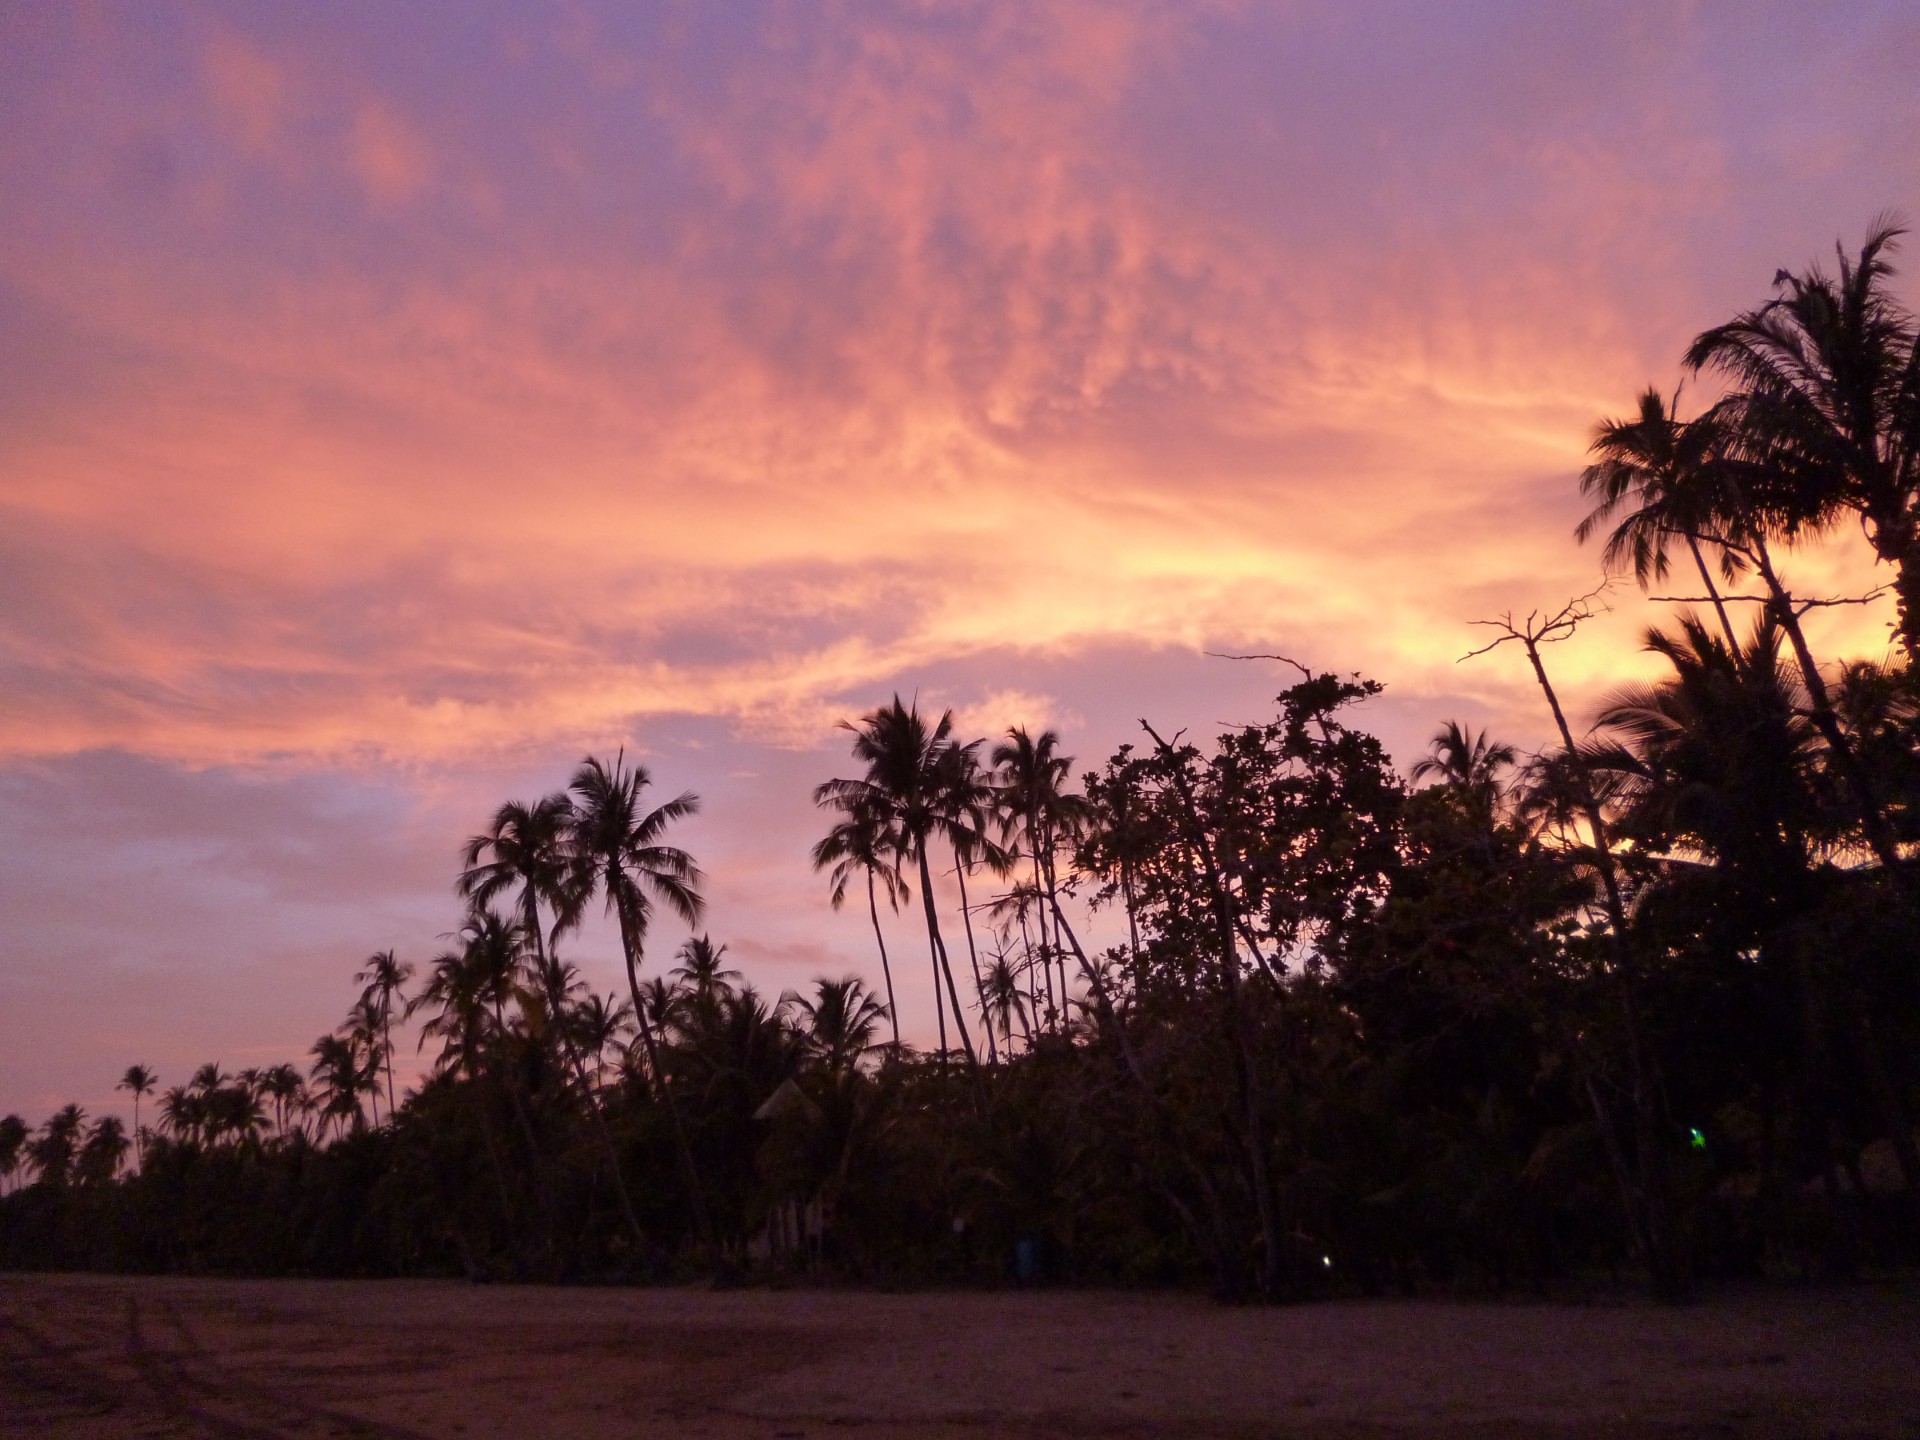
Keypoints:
pixel 138 1081
pixel 861 844
pixel 1003 998
pixel 343 1077
pixel 385 978
pixel 841 1020
pixel 1036 806
pixel 365 1032
pixel 971 802
pixel 1469 765
pixel 283 1085
pixel 105 1148
pixel 906 787
pixel 54 1148
pixel 13 1141
pixel 700 969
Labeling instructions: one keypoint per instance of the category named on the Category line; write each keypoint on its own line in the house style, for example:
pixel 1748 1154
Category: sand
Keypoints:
pixel 93 1356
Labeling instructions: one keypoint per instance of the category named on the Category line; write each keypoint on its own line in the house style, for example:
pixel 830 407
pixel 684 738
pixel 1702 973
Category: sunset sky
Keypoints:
pixel 399 402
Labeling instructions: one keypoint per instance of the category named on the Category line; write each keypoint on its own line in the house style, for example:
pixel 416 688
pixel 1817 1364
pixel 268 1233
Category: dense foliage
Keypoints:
pixel 1646 1000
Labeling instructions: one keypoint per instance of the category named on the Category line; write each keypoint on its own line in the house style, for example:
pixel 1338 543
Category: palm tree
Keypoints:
pixel 906 787
pixel 283 1085
pixel 1826 407
pixel 840 1023
pixel 138 1081
pixel 364 1031
pixel 1470 766
pixel 1659 471
pixel 700 969
pixel 617 848
pixel 971 800
pixel 1002 997
pixel 384 977
pixel 53 1149
pixel 343 1078
pixel 13 1141
pixel 861 843
pixel 106 1146
pixel 1035 805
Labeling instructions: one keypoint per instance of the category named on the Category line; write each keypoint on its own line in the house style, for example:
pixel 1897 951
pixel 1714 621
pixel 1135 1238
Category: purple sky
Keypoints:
pixel 397 403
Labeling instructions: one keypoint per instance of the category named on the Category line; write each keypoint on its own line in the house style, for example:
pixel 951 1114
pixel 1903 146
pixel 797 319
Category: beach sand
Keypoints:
pixel 96 1356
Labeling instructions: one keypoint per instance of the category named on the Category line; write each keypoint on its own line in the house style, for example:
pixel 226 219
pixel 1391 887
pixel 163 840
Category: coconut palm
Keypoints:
pixel 138 1081
pixel 1470 765
pixel 1654 476
pixel 52 1151
pixel 384 978
pixel 13 1141
pixel 906 788
pixel 1002 998
pixel 861 844
pixel 700 970
pixel 344 1072
pixel 841 1020
pixel 617 848
pixel 1826 405
pixel 971 802
pixel 106 1146
pixel 1036 807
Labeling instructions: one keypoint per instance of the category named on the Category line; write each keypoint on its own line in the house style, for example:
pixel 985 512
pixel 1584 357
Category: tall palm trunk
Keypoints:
pixel 966 918
pixel 941 966
pixel 873 910
pixel 1039 894
pixel 690 1175
pixel 586 1087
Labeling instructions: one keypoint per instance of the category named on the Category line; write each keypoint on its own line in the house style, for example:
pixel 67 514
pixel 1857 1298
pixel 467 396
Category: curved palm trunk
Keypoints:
pixel 893 1010
pixel 941 965
pixel 966 918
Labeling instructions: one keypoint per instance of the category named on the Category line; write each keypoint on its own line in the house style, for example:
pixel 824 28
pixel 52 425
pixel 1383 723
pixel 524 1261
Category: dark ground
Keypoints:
pixel 93 1356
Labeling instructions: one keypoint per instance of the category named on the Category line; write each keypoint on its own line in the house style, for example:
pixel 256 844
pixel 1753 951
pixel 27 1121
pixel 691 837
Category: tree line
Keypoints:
pixel 1644 1002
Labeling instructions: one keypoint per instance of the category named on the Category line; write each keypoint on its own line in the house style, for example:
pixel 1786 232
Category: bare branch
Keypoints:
pixel 1288 659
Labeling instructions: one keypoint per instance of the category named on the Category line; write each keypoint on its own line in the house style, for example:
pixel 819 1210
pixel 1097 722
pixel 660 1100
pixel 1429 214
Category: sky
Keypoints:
pixel 398 403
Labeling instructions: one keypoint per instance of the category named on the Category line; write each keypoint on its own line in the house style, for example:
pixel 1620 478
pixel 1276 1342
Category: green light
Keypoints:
pixel 1699 1140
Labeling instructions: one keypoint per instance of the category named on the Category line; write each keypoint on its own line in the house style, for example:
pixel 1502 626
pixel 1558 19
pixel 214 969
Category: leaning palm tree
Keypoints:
pixel 384 977
pixel 861 844
pixel 1826 405
pixel 906 787
pixel 138 1081
pixel 618 848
